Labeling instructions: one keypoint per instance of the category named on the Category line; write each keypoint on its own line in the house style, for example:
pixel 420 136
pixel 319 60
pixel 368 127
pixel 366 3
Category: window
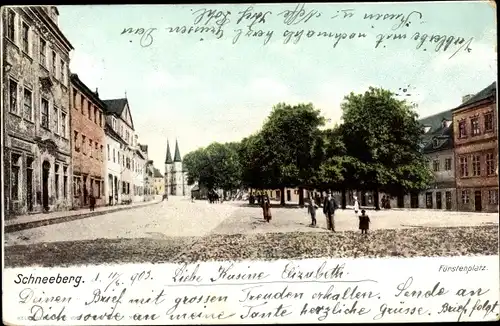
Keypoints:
pixel 77 148
pixel 54 60
pixel 114 157
pixel 45 113
pixel 74 98
pixel 113 123
pixel 55 118
pixel 63 124
pixel 464 171
pixel 488 121
pixel 435 142
pixel 109 153
pixel 462 129
pixel 26 32
pixel 476 165
pixel 76 186
pixel 102 153
pixel 474 124
pixel 63 72
pixel 28 103
pixel 84 145
pixel 490 164
pixel 56 180
pixel 90 148
pixel 465 196
pixel 11 25
pixel 96 152
pixel 435 165
pixel 96 115
pixel 89 110
pixel 493 197
pixel 13 96
pixel 100 120
pixel 43 52
pixel 82 102
pixel 447 164
pixel 15 168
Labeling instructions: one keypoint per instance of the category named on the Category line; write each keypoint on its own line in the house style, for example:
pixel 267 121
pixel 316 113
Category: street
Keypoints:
pixel 180 230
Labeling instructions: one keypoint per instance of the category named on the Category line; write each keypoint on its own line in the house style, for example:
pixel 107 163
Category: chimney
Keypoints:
pixel 97 92
pixel 467 97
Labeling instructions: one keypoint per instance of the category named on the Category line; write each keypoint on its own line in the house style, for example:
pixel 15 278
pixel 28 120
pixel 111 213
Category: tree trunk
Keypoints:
pixel 301 197
pixel 282 191
pixel 344 198
pixel 376 199
pixel 250 197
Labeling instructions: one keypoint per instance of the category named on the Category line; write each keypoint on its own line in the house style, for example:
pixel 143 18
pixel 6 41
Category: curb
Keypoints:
pixel 63 219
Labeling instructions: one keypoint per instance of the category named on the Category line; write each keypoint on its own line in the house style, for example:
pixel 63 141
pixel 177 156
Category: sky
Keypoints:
pixel 201 88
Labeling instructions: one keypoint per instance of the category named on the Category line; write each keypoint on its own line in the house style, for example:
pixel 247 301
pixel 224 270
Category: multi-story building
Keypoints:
pixel 476 151
pixel 115 165
pixel 37 150
pixel 87 128
pixel 175 175
pixel 120 122
pixel 438 149
pixel 159 182
pixel 139 159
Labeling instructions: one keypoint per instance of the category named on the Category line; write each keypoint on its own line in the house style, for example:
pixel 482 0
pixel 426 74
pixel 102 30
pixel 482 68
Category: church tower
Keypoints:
pixel 178 172
pixel 168 171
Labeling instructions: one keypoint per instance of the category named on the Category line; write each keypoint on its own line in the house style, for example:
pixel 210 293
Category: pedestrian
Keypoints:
pixel 329 207
pixel 266 209
pixel 356 205
pixel 92 202
pixel 383 201
pixel 364 222
pixel 312 211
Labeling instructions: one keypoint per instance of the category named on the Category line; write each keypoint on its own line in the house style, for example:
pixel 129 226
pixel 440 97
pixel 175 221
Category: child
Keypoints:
pixel 364 222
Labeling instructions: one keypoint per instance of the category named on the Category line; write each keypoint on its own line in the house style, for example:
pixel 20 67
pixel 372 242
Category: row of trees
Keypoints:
pixel 376 148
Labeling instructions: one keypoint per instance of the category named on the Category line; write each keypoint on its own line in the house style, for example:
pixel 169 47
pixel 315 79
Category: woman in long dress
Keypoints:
pixel 266 208
pixel 356 205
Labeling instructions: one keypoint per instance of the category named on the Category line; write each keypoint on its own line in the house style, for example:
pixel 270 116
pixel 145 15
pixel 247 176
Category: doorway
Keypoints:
pixel 438 200
pixel 288 195
pixel 414 200
pixel 401 201
pixel 45 185
pixel 85 190
pixel 448 200
pixel 477 201
pixel 29 183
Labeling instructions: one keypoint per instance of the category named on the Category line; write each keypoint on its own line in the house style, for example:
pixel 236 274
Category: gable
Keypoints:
pixel 127 116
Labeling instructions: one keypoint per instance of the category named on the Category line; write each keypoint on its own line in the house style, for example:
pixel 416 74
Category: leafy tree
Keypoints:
pixel 382 136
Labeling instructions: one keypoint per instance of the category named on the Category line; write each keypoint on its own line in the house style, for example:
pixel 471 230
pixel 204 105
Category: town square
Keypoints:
pixel 196 147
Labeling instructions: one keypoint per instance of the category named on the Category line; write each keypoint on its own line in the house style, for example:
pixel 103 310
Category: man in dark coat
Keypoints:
pixel 329 207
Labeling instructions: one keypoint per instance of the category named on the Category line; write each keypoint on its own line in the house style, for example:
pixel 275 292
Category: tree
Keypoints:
pixel 382 136
pixel 286 143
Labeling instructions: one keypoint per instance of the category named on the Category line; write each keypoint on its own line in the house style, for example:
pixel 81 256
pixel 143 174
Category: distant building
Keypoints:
pixel 476 151
pixel 115 165
pixel 87 129
pixel 37 144
pixel 159 182
pixel 139 159
pixel 175 175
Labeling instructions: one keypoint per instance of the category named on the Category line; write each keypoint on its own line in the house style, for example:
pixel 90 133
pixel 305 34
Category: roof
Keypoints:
pixel 116 106
pixel 109 131
pixel 157 173
pixel 76 81
pixel 438 130
pixel 488 93
pixel 168 159
pixel 144 148
pixel 177 155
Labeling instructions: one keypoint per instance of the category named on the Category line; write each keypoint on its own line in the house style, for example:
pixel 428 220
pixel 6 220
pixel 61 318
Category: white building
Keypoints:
pixel 175 175
pixel 139 159
pixel 114 166
pixel 119 119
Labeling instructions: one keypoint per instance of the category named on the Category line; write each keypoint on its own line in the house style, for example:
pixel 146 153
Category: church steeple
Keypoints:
pixel 177 155
pixel 168 159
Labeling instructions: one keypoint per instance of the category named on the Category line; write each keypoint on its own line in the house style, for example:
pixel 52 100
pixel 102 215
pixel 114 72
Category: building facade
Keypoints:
pixel 438 149
pixel 37 149
pixel 120 122
pixel 139 159
pixel 476 151
pixel 159 182
pixel 89 158
pixel 115 166
pixel 175 175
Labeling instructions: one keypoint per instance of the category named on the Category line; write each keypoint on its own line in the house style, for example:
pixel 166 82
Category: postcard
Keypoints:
pixel 250 163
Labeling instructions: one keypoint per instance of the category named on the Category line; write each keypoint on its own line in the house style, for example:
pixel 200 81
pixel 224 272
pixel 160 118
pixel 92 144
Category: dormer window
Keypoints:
pixel 445 123
pixel 427 129
pixel 435 142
